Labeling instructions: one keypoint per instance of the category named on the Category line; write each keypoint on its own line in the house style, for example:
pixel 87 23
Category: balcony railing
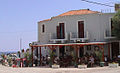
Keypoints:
pixel 75 37
pixel 108 35
pixel 54 39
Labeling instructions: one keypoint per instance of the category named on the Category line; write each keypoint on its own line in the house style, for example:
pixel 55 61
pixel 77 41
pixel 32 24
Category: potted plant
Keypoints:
pixel 82 66
pixel 101 59
pixel 52 54
pixel 113 65
pixel 102 64
pixel 55 66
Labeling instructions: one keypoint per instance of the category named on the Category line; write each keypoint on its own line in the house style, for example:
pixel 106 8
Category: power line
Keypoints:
pixel 19 32
pixel 97 3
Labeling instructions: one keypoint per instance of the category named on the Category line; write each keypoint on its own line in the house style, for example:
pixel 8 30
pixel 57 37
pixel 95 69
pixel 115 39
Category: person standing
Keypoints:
pixel 18 59
pixel 22 55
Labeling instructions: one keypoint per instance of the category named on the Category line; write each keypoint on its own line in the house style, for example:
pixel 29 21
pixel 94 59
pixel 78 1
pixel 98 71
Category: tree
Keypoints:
pixel 116 25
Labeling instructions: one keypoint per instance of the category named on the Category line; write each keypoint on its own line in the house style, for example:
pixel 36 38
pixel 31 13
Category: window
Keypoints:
pixel 112 24
pixel 43 28
pixel 60 31
pixel 112 27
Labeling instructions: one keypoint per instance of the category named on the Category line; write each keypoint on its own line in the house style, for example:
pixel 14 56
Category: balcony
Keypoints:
pixel 54 39
pixel 75 37
pixel 107 35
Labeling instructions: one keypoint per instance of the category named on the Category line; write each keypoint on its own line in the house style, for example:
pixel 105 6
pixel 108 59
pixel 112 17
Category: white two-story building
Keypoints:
pixel 78 26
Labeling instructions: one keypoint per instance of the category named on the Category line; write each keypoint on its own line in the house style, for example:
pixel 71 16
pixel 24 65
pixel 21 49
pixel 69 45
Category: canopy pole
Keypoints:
pixel 58 51
pixel 109 50
pixel 76 54
pixel 40 57
pixel 32 55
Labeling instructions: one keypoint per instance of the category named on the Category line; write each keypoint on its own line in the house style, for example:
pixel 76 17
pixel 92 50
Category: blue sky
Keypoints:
pixel 18 18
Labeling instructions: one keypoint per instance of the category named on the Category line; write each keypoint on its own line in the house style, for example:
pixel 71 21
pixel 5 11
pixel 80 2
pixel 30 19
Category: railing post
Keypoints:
pixel 40 57
pixel 32 55
pixel 109 50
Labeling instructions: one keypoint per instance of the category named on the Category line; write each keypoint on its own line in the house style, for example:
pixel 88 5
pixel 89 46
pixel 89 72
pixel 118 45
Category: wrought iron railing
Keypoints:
pixel 76 35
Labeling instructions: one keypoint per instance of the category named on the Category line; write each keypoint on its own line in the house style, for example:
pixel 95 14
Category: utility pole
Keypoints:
pixel 20 44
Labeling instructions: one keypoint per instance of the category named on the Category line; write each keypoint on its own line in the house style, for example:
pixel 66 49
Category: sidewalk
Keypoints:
pixel 4 69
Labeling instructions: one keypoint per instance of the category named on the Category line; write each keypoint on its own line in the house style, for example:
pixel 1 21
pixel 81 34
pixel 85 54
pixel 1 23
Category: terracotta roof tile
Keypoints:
pixel 75 12
pixel 78 12
pixel 45 20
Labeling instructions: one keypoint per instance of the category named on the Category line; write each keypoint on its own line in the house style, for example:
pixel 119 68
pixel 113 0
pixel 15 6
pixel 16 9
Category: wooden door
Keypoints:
pixel 62 30
pixel 58 32
pixel 81 29
pixel 115 48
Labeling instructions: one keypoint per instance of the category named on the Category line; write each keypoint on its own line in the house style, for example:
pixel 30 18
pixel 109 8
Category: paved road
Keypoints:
pixel 4 69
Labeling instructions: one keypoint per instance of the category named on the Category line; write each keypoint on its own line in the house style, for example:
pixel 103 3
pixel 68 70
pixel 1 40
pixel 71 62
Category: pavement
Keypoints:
pixel 5 69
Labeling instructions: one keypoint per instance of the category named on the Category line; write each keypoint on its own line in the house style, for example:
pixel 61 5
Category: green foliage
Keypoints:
pixel 52 54
pixel 27 55
pixel 3 56
pixel 116 25
pixel 100 56
pixel 9 61
pixel 30 56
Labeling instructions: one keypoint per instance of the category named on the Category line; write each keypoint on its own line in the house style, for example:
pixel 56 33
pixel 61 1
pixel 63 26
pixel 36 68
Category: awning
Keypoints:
pixel 71 44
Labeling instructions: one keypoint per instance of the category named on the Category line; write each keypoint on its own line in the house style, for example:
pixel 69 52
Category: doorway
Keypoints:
pixel 81 52
pixel 62 51
pixel 80 29
pixel 115 49
pixel 60 31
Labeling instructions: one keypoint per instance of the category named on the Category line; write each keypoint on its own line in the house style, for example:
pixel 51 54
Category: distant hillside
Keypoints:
pixel 6 53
